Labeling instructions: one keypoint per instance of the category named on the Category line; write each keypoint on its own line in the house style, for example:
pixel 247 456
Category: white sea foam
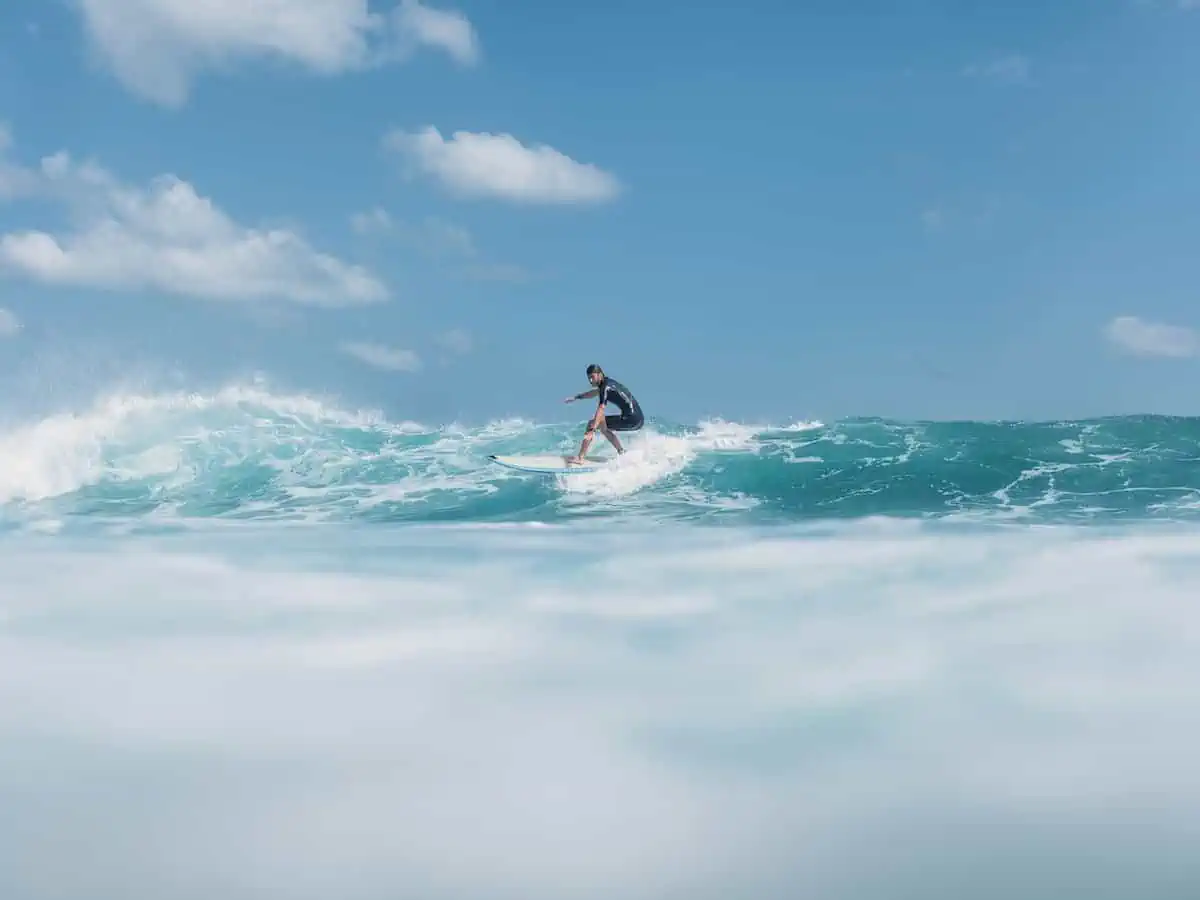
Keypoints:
pixel 870 712
pixel 63 452
pixel 652 456
pixel 246 450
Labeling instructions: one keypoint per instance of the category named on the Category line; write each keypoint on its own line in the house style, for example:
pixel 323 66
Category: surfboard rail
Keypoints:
pixel 548 463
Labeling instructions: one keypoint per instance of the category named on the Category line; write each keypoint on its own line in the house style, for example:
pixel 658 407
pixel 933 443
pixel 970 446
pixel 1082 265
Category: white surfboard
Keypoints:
pixel 551 465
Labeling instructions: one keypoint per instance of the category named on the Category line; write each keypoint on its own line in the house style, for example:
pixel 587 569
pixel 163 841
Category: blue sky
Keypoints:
pixel 762 211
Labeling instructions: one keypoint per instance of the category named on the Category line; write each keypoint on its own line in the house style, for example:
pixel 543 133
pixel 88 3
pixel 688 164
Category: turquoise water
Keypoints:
pixel 260 646
pixel 246 454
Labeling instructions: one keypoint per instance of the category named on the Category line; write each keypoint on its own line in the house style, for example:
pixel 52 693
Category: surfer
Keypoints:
pixel 608 390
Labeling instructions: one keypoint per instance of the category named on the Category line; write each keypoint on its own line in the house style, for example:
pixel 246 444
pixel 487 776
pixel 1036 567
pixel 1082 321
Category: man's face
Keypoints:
pixel 595 377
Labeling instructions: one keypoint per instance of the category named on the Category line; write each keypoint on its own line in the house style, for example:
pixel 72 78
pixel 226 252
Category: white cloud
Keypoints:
pixel 447 30
pixel 498 165
pixel 1013 69
pixel 10 325
pixel 1141 338
pixel 380 356
pixel 169 238
pixel 157 47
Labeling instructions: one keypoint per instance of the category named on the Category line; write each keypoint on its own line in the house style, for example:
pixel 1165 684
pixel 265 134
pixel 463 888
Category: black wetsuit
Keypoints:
pixel 630 417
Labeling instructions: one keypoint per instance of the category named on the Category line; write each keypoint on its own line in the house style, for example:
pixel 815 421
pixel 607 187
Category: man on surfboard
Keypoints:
pixel 608 390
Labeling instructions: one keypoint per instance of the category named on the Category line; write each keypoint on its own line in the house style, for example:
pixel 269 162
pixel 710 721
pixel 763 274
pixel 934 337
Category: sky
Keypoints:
pixel 759 212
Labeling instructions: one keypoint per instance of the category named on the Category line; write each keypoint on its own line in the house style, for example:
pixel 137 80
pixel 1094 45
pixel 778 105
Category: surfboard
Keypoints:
pixel 550 465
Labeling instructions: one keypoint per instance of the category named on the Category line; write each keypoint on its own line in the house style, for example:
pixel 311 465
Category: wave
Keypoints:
pixel 244 452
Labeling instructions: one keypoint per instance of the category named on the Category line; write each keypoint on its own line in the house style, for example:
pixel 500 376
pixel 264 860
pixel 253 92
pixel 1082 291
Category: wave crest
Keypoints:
pixel 246 452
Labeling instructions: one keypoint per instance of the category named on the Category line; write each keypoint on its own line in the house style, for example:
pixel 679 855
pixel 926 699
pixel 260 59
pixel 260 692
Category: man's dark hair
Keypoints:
pixel 593 368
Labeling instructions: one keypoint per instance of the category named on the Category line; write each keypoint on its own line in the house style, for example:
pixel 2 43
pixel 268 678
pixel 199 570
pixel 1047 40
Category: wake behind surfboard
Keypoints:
pixel 550 465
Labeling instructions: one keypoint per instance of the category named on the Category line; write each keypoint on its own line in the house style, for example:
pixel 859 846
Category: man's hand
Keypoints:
pixel 570 399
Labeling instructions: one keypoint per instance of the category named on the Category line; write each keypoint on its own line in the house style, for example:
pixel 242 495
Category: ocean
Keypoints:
pixel 258 645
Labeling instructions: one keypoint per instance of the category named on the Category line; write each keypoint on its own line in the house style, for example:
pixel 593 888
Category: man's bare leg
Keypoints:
pixel 587 442
pixel 583 448
pixel 612 439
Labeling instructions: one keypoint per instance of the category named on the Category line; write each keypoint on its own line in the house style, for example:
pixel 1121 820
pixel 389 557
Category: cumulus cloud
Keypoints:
pixel 1141 338
pixel 381 356
pixel 10 325
pixel 500 166
pixel 447 30
pixel 165 236
pixel 157 47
